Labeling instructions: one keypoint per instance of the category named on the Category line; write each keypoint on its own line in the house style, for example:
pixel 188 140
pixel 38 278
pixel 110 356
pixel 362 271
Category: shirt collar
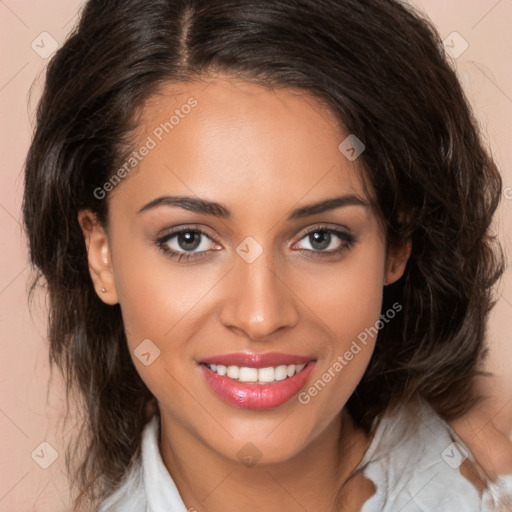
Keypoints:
pixel 161 491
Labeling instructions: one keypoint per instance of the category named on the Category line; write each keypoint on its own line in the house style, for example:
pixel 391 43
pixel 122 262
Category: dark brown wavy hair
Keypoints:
pixel 380 67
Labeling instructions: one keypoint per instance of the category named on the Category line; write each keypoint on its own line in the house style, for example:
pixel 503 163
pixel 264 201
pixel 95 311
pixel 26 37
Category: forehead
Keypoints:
pixel 234 141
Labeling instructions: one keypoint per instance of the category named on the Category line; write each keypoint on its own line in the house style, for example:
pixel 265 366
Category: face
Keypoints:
pixel 242 306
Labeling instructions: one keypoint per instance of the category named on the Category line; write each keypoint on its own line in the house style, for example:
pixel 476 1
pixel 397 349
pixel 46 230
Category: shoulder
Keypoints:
pixel 417 462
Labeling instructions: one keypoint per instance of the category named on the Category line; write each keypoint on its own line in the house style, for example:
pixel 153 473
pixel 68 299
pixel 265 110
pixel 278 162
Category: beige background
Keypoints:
pixel 28 412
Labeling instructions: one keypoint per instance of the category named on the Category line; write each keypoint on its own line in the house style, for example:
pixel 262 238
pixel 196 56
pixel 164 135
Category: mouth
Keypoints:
pixel 255 381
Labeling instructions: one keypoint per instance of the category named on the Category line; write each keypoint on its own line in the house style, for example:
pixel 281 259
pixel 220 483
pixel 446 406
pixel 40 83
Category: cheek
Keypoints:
pixel 159 302
pixel 349 305
pixel 349 298
pixel 165 304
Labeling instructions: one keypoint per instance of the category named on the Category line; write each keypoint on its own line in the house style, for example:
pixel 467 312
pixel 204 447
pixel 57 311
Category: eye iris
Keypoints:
pixel 320 237
pixel 189 240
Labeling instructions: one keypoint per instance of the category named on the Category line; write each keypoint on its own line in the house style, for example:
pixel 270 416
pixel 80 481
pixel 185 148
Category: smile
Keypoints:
pixel 253 381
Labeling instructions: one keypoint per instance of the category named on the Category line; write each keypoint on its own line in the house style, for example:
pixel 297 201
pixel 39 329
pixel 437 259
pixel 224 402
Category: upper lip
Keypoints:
pixel 257 360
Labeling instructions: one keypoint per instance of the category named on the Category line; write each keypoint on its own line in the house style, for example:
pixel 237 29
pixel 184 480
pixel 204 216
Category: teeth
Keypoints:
pixel 281 372
pixel 266 374
pixel 233 372
pixel 248 374
pixel 259 375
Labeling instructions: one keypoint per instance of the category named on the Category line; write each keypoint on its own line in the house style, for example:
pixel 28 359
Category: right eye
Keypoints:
pixel 189 242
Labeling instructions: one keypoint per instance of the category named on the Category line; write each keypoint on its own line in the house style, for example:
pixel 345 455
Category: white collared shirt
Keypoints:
pixel 413 461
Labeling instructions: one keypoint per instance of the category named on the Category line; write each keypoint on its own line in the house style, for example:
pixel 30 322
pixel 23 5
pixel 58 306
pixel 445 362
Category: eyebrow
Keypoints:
pixel 218 210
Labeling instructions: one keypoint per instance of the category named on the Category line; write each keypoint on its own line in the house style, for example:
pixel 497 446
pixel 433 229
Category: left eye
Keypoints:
pixel 324 240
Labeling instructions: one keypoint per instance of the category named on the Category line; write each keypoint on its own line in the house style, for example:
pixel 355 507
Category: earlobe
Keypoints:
pixel 98 256
pixel 396 262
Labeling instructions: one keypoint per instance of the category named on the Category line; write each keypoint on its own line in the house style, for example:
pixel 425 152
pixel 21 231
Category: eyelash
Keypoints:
pixel 347 239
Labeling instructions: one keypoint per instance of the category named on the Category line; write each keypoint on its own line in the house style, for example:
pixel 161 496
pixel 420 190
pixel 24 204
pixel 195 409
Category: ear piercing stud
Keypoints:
pixel 103 290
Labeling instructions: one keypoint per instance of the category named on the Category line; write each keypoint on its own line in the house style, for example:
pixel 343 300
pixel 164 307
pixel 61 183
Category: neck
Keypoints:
pixel 311 480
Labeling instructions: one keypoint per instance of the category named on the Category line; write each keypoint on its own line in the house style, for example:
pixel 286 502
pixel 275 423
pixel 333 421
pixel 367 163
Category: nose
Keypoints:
pixel 258 300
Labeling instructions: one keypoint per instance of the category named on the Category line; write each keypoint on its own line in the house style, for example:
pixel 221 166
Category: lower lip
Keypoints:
pixel 249 395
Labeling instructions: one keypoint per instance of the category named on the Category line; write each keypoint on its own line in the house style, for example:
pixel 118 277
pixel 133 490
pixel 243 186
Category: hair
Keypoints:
pixel 380 67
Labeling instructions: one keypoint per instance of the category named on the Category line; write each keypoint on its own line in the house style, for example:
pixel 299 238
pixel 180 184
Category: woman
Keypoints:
pixel 287 269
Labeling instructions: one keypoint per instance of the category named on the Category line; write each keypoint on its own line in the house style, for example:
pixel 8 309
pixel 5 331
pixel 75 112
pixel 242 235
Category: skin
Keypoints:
pixel 486 432
pixel 260 153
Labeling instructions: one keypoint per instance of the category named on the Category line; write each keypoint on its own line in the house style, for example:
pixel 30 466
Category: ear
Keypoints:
pixel 99 257
pixel 396 261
